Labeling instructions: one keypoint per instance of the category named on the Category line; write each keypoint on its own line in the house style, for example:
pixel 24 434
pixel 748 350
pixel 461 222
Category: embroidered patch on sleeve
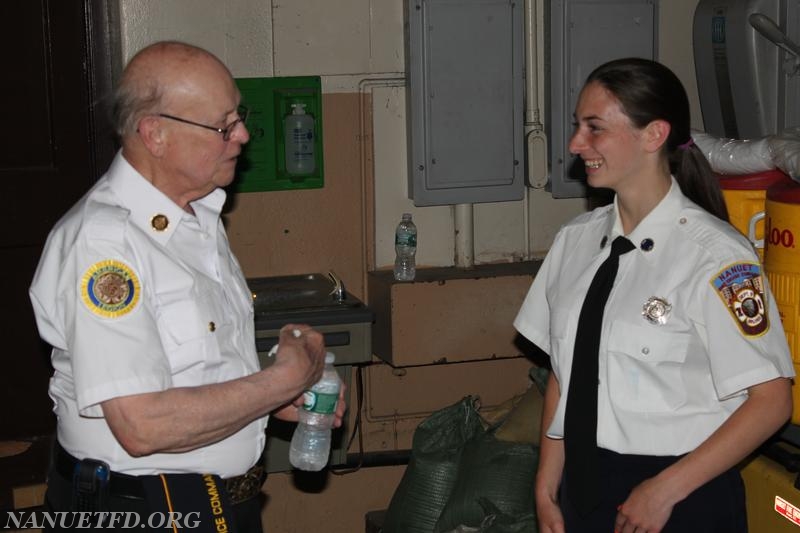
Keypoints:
pixel 110 289
pixel 741 288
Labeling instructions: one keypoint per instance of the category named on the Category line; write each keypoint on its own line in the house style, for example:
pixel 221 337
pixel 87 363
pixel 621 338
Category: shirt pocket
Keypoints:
pixel 645 368
pixel 187 337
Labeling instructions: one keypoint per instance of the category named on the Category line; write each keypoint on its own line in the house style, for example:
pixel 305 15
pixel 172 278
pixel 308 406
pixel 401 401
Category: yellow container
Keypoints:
pixel 773 502
pixel 745 196
pixel 782 265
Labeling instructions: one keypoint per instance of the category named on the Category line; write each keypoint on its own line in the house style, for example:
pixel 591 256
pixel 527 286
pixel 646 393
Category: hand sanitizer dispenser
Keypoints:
pixel 299 141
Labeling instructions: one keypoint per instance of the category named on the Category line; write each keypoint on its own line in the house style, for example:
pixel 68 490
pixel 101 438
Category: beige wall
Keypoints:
pixel 356 46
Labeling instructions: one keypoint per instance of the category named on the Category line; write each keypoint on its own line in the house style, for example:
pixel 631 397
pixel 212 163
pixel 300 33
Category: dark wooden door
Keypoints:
pixel 54 143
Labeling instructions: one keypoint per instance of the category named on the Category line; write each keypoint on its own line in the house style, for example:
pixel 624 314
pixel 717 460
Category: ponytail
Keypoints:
pixel 697 181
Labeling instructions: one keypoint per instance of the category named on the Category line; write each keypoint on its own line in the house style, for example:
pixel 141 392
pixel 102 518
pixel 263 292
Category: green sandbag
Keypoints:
pixel 428 480
pixel 498 471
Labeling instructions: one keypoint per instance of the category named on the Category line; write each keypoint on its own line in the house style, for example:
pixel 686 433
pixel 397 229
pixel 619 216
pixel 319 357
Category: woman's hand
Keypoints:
pixel 549 515
pixel 646 510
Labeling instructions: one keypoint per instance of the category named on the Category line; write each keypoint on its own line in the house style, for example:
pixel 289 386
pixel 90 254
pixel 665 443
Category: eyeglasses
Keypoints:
pixel 226 132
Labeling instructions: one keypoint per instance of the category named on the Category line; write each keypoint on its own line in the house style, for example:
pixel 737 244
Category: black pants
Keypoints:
pixel 58 497
pixel 716 507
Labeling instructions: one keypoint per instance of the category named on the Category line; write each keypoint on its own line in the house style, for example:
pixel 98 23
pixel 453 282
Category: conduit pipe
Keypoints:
pixel 365 86
pixel 535 138
pixel 536 141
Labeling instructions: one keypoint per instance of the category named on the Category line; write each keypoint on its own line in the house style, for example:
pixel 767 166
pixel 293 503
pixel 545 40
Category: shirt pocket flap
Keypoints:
pixel 648 343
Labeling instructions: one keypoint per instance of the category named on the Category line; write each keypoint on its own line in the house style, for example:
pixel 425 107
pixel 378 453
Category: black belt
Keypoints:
pixel 240 488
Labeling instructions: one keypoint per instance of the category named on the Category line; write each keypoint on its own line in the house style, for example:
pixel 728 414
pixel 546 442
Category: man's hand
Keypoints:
pixel 301 355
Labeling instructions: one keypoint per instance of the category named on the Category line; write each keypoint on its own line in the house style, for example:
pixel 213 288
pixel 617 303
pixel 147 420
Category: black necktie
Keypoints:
pixel 580 422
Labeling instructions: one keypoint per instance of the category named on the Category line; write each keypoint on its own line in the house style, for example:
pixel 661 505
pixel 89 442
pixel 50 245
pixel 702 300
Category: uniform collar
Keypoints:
pixel 151 210
pixel 651 234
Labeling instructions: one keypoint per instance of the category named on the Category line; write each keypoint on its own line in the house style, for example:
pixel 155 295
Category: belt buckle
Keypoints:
pixel 248 485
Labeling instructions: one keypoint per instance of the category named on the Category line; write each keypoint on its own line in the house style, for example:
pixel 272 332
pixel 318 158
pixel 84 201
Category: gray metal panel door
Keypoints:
pixel 465 120
pixel 585 34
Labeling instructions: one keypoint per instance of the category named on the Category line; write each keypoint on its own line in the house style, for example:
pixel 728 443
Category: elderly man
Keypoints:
pixel 149 315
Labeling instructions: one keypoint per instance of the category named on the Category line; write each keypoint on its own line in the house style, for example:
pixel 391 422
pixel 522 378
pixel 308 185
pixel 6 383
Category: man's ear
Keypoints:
pixel 152 135
pixel 656 134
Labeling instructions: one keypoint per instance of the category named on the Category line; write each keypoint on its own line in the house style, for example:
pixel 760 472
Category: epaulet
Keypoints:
pixel 717 238
pixel 105 222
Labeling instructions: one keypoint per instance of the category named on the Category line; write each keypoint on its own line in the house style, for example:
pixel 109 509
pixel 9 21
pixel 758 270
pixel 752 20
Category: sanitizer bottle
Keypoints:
pixel 299 140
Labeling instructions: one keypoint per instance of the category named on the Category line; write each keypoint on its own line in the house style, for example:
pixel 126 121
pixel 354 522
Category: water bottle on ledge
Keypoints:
pixel 311 441
pixel 405 246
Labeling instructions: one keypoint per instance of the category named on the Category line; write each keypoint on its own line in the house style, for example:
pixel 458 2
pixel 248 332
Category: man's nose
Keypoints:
pixel 240 133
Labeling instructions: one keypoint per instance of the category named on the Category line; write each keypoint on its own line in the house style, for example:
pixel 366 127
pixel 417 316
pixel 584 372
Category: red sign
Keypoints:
pixel 787 510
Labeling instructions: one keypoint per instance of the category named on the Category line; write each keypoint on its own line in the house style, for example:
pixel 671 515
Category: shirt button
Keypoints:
pixel 212 327
pixel 645 350
pixel 682 220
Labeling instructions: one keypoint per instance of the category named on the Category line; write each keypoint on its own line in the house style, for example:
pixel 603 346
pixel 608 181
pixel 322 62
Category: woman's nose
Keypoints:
pixel 576 142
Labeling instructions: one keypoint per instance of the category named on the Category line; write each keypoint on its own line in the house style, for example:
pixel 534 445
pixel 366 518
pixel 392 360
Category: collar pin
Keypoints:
pixel 159 222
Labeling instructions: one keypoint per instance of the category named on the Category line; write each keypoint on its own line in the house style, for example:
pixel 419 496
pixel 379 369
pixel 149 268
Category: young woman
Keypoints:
pixel 689 371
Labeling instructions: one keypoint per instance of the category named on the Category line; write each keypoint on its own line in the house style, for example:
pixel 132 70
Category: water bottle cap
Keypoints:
pixel 330 357
pixel 406 216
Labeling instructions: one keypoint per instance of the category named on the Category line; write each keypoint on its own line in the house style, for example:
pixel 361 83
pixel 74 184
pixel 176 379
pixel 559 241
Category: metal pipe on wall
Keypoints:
pixel 535 138
pixel 365 86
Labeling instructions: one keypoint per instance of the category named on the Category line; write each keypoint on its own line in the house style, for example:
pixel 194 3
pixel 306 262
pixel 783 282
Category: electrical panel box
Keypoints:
pixel 748 86
pixel 262 164
pixel 583 35
pixel 465 62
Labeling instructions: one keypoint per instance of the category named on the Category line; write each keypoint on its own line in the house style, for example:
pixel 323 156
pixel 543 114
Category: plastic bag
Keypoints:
pixel 785 149
pixel 734 156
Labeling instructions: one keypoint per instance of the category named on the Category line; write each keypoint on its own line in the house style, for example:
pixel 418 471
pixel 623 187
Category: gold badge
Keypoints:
pixel 159 222
pixel 741 288
pixel 656 310
pixel 110 289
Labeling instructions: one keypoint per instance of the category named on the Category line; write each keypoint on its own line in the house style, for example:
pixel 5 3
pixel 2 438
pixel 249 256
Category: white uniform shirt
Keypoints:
pixel 663 387
pixel 180 314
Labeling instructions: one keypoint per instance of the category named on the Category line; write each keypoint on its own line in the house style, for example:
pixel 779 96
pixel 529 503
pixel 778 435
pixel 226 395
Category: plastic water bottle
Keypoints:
pixel 405 246
pixel 311 441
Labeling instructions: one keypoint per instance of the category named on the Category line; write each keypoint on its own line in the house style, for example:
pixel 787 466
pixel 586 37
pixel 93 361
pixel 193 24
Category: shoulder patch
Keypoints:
pixel 741 288
pixel 110 289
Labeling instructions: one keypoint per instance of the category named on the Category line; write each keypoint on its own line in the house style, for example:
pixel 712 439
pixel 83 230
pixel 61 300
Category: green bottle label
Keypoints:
pixel 320 402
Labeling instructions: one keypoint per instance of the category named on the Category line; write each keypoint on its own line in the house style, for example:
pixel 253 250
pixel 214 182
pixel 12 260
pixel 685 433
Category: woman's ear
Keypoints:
pixel 656 134
pixel 152 135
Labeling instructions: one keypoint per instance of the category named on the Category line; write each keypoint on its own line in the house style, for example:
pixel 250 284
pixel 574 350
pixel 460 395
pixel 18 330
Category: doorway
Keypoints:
pixel 56 142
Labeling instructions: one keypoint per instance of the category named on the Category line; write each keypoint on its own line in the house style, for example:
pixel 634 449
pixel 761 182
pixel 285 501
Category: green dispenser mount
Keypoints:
pixel 263 162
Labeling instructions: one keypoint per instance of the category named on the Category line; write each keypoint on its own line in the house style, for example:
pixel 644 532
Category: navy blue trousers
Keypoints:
pixel 716 507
